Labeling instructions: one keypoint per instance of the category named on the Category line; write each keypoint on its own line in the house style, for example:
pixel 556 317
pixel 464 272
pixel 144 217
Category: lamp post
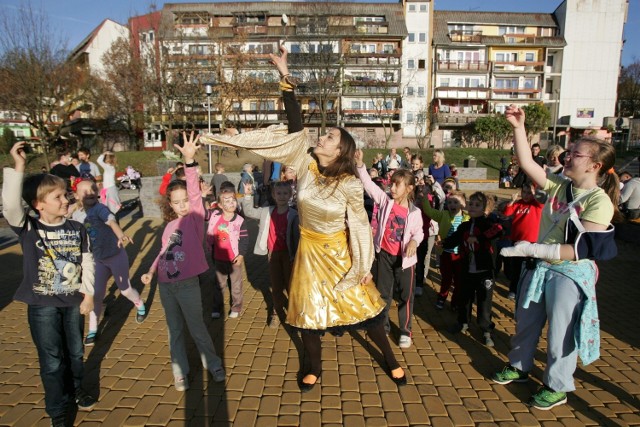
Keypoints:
pixel 209 90
pixel 555 114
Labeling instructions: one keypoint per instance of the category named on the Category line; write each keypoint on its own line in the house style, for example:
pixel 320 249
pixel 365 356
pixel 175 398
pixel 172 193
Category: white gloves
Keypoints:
pixel 533 250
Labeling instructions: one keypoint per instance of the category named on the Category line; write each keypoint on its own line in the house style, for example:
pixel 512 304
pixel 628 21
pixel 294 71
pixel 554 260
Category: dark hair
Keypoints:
pixel 406 176
pixel 417 157
pixel 85 150
pixel 227 184
pixel 603 152
pixel 281 184
pixel 536 145
pixel 179 173
pixel 487 202
pixel 36 187
pixel 345 163
pixel 168 214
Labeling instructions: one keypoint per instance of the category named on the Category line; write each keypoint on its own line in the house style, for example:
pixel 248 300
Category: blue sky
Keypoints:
pixel 77 18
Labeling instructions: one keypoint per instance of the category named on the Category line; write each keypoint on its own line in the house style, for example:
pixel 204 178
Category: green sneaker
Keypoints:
pixel 509 374
pixel 545 398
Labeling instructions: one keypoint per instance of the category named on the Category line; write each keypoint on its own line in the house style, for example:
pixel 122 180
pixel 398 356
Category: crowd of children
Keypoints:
pixel 410 212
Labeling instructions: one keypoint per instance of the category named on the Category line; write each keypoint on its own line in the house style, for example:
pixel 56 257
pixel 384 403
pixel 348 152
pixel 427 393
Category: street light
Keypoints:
pixel 555 114
pixel 208 88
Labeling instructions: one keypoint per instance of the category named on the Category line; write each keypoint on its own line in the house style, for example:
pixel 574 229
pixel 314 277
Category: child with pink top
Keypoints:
pixel 228 240
pixel 178 265
pixel 396 241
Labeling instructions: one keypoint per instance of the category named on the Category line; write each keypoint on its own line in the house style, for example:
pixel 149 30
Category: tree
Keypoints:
pixel 37 80
pixel 537 119
pixel 629 90
pixel 7 139
pixel 120 89
pixel 493 129
pixel 423 126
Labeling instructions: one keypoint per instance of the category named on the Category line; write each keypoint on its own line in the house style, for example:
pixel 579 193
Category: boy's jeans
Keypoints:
pixel 57 333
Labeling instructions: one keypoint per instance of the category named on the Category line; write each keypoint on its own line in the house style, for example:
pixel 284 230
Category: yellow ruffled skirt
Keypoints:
pixel 321 262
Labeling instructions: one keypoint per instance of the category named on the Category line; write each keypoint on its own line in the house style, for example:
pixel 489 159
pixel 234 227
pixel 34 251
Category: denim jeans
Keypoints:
pixel 57 334
pixel 182 302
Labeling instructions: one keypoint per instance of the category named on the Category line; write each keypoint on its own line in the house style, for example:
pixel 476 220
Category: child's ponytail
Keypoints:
pixel 604 153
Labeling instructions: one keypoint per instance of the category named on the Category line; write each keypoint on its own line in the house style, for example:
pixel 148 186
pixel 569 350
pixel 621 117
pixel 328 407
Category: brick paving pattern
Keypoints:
pixel 129 365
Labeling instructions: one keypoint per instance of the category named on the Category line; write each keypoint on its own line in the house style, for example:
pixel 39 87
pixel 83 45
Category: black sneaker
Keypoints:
pixel 85 401
pixel 90 339
pixel 59 421
pixel 141 314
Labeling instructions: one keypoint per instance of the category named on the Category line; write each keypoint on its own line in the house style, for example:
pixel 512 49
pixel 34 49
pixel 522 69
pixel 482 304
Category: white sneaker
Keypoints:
pixel 404 341
pixel 418 291
pixel 181 384
pixel 234 314
pixel 488 341
pixel 215 315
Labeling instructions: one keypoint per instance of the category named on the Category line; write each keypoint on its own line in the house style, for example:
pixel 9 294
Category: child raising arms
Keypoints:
pixel 559 284
pixel 107 245
pixel 57 285
pixel 396 240
pixel 178 265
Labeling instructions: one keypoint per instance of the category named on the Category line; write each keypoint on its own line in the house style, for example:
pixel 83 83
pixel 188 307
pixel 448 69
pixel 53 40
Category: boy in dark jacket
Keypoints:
pixel 474 239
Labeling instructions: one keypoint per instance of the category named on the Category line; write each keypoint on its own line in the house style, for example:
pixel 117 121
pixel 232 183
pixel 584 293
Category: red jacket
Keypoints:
pixel 526 220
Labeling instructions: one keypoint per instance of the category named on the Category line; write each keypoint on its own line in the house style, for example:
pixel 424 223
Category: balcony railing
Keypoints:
pixel 466 36
pixel 462 66
pixel 519 66
pixel 462 92
pixel 458 119
pixel 530 94
pixel 373 59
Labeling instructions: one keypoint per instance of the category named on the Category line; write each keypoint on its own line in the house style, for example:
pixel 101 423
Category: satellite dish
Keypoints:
pixel 285 20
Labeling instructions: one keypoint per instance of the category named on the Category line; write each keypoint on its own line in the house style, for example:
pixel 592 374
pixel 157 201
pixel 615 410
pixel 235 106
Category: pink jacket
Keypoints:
pixel 413 229
pixel 182 255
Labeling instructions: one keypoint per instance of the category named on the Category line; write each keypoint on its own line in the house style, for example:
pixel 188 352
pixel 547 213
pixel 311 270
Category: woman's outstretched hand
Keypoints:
pixel 280 61
pixel 515 116
pixel 359 156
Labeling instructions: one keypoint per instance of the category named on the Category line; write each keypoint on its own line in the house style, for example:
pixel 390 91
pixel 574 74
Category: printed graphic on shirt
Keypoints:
pixel 223 250
pixel 59 270
pixel 395 227
pixel 172 256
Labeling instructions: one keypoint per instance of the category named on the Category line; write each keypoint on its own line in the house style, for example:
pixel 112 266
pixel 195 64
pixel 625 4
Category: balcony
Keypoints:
pixel 462 66
pixel 371 116
pixel 462 36
pixel 462 93
pixel 458 119
pixel 372 27
pixel 250 29
pixel 382 60
pixel 518 67
pixel 510 93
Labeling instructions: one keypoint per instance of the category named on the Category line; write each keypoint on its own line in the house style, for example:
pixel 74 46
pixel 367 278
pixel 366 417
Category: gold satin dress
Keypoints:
pixel 332 258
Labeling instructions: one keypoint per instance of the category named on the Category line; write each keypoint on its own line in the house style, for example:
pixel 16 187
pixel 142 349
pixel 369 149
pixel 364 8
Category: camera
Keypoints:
pixel 26 148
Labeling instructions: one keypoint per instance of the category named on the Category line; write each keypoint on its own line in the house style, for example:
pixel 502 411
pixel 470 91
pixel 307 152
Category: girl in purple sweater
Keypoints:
pixel 178 265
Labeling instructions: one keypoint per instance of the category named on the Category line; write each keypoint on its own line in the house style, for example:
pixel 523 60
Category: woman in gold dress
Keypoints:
pixel 331 285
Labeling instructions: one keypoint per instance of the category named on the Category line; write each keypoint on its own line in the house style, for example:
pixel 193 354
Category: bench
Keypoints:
pixel 478 184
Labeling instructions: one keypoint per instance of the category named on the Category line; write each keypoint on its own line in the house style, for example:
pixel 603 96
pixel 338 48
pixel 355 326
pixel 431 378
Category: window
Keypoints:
pixel 236 106
pixel 412 8
pixel 506 83
pixel 423 8
pixel 295 48
pixel 422 37
pixel 411 64
pixel 410 90
pixel 444 82
pixel 388 48
pixel 422 64
pixel 355 105
pixel 412 37
pixel 530 83
pixel 550 61
pixel 421 91
pixel 262 105
pixel 371 105
pixel 528 57
pixel 388 77
pixel 510 30
pixel 410 117
pixel 150 36
pixel 18 133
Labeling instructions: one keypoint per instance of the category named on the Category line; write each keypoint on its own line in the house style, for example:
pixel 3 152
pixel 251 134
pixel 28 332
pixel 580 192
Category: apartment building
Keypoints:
pixel 485 61
pixel 347 57
pixel 416 70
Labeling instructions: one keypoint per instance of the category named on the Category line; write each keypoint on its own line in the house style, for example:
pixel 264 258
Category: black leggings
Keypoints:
pixel 312 345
